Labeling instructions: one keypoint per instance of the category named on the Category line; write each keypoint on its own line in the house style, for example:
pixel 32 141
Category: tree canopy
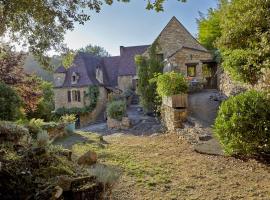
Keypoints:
pixel 240 29
pixel 95 50
pixel 41 24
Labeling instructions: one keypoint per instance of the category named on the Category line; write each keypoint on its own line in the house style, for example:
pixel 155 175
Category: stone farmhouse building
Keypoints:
pixel 179 50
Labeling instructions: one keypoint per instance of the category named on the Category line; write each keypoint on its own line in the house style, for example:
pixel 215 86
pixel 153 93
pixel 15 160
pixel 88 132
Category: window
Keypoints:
pixel 74 78
pixel 74 95
pixel 191 70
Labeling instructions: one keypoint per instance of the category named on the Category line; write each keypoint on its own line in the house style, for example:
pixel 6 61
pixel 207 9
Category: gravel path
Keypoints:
pixel 202 108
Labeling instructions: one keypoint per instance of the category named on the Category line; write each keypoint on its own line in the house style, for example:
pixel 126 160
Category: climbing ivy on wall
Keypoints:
pixel 92 95
pixel 147 67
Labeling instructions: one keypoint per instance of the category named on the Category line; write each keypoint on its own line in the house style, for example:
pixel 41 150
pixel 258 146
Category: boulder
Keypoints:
pixel 89 158
pixel 64 182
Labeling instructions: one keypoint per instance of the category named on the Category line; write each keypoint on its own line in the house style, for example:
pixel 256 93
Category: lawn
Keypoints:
pixel 166 167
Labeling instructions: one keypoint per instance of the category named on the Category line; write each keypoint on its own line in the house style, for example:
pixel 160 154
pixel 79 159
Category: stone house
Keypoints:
pixel 179 50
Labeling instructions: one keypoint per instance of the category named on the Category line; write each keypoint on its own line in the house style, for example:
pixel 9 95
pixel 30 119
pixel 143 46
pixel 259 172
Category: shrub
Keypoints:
pixel 42 139
pixel 170 83
pixel 67 119
pixel 10 103
pixel 243 123
pixel 128 93
pixel 10 131
pixel 35 126
pixel 116 110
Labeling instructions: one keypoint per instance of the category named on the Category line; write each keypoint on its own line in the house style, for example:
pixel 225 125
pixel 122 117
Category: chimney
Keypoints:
pixel 121 50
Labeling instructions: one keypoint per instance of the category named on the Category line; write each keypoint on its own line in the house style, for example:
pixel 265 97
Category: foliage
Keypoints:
pixel 116 110
pixel 147 68
pixel 11 73
pixel 35 126
pixel 128 93
pixel 94 50
pixel 245 38
pixel 46 104
pixel 209 28
pixel 68 59
pixel 92 94
pixel 115 97
pixel 243 123
pixel 42 139
pixel 67 119
pixel 13 132
pixel 170 83
pixel 10 103
pixel 41 25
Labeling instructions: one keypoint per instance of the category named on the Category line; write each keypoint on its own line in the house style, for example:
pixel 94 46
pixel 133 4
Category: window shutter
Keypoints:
pixel 79 96
pixel 69 96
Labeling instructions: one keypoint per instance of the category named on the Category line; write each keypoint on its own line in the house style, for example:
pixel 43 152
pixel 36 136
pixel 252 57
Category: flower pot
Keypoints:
pixel 70 128
pixel 176 101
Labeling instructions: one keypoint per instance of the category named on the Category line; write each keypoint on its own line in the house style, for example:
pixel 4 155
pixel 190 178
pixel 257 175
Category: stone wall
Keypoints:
pixel 61 98
pixel 125 82
pixel 125 123
pixel 229 87
pixel 173 37
pixel 85 119
pixel 185 55
pixel 173 118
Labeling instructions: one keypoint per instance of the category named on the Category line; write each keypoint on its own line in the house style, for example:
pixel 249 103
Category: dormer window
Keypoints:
pixel 74 78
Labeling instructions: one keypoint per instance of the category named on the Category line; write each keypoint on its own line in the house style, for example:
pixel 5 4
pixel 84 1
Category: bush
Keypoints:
pixel 10 103
pixel 67 119
pixel 128 93
pixel 35 126
pixel 12 132
pixel 116 110
pixel 170 83
pixel 243 123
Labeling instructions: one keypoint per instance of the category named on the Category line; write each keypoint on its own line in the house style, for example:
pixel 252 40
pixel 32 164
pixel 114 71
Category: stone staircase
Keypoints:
pixel 135 100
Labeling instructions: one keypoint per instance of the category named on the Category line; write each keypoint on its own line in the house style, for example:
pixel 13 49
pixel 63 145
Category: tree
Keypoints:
pixel 209 28
pixel 11 73
pixel 10 103
pixel 94 50
pixel 147 68
pixel 245 39
pixel 46 103
pixel 41 24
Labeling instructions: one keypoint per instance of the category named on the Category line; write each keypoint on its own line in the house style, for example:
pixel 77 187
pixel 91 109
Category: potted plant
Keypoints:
pixel 172 87
pixel 69 122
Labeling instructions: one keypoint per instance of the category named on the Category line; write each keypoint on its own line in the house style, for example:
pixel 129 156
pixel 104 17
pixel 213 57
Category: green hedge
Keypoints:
pixel 243 123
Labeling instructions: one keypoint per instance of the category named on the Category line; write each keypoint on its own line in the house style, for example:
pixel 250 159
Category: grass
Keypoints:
pixel 165 167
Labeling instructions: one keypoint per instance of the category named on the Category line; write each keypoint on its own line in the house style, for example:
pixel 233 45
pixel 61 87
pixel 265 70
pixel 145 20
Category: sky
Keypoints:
pixel 130 24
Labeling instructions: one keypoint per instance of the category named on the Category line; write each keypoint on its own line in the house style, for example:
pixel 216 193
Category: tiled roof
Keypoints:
pixel 60 69
pixel 127 64
pixel 85 66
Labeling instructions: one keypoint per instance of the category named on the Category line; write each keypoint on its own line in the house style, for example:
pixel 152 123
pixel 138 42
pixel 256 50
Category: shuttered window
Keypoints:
pixel 69 96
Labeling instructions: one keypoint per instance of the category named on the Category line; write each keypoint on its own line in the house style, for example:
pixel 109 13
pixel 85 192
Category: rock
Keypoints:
pixel 89 158
pixel 67 153
pixel 205 137
pixel 57 193
pixel 64 182
pixel 125 123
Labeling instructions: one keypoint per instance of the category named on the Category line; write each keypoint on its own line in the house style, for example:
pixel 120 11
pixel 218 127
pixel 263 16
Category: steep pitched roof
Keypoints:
pixel 85 66
pixel 60 69
pixel 193 43
pixel 111 65
pixel 127 63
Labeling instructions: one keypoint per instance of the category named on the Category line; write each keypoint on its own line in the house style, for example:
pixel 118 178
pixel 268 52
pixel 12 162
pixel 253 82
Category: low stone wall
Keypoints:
pixel 173 118
pixel 230 88
pixel 119 125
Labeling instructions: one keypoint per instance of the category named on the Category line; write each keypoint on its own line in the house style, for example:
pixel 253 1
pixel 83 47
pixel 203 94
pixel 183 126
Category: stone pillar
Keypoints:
pixel 173 118
pixel 199 72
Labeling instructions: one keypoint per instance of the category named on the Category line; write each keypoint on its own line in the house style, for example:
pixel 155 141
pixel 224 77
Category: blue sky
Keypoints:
pixel 130 24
